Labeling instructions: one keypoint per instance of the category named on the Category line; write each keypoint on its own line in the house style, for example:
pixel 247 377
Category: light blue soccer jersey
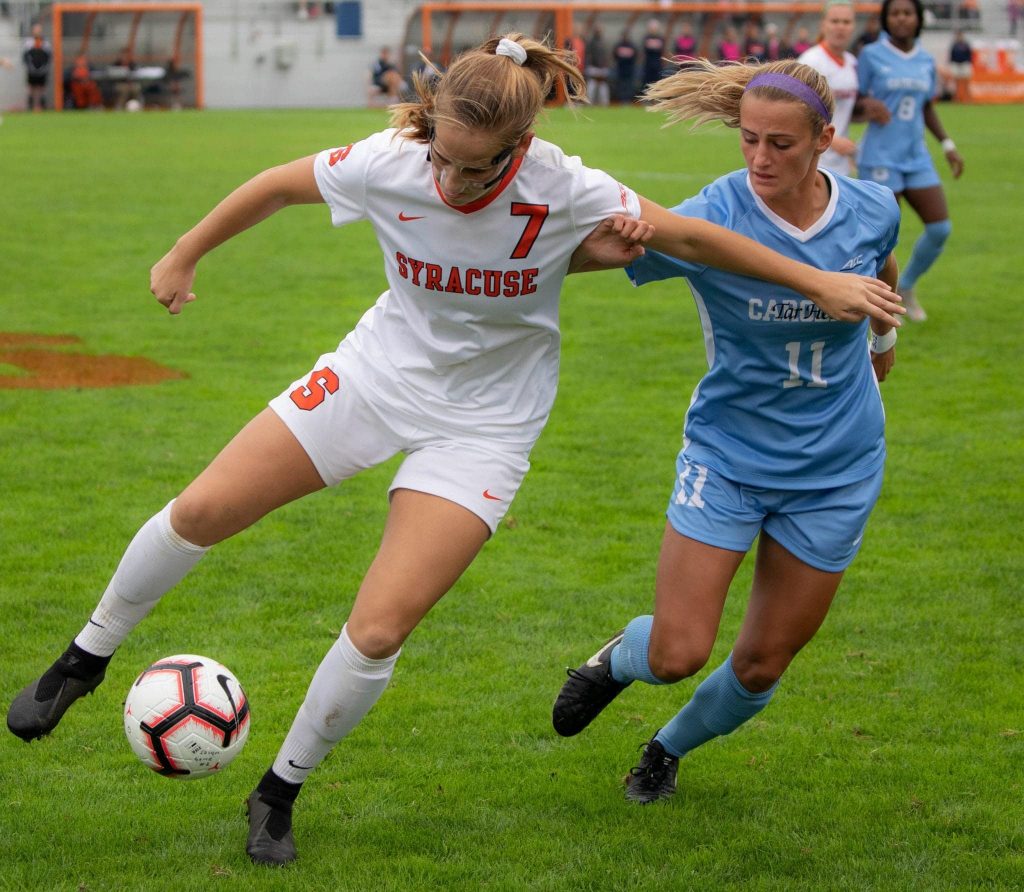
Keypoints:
pixel 790 399
pixel 905 82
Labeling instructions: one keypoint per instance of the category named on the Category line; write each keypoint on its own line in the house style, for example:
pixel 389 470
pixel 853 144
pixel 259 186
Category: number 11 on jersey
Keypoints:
pixel 795 379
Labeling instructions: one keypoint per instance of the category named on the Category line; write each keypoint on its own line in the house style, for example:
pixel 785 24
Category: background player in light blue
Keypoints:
pixel 897 71
pixel 783 439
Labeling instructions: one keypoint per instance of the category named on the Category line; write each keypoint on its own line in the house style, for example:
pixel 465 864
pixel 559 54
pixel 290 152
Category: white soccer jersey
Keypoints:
pixel 467 332
pixel 841 75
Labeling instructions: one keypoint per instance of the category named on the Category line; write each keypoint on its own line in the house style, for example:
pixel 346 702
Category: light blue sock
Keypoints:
pixel 629 657
pixel 718 706
pixel 926 251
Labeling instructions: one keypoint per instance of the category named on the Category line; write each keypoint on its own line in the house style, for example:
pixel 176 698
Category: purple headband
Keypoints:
pixel 795 87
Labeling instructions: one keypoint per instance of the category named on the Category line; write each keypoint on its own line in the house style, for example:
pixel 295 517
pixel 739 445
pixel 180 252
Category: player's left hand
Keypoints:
pixel 850 298
pixel 882 363
pixel 614 243
pixel 956 163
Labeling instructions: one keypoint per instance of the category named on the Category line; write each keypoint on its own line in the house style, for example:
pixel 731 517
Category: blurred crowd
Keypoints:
pixel 620 71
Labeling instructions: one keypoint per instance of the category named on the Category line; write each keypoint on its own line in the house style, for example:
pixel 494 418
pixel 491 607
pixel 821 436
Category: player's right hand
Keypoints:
pixel 850 298
pixel 875 110
pixel 170 281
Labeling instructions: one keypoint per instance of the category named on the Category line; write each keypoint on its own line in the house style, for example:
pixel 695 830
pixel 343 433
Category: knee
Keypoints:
pixel 675 661
pixel 376 641
pixel 197 520
pixel 758 671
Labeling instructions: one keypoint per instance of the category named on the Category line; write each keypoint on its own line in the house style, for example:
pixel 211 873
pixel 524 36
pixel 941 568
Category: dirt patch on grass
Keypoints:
pixel 43 368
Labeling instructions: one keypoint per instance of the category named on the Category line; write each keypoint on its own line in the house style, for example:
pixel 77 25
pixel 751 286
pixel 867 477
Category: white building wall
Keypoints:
pixel 263 55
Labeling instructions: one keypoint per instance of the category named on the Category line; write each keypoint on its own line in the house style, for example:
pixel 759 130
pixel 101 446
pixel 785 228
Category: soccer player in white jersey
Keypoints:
pixel 783 439
pixel 897 71
pixel 831 58
pixel 455 366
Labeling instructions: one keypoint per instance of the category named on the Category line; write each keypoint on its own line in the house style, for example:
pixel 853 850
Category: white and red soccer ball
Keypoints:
pixel 186 716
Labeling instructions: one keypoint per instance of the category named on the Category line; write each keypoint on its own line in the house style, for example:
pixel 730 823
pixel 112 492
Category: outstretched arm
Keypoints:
pixel 171 277
pixel 842 296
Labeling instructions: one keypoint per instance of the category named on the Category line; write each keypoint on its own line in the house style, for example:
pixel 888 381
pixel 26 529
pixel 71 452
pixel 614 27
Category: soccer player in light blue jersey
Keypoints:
pixel 897 72
pixel 783 440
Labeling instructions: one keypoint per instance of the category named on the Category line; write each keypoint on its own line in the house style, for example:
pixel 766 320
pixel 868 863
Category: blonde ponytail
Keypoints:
pixel 705 92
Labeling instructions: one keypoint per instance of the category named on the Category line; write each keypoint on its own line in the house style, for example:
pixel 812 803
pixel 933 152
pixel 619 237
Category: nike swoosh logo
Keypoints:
pixel 222 680
pixel 93 622
pixel 301 767
pixel 595 660
pixel 405 219
pixel 487 495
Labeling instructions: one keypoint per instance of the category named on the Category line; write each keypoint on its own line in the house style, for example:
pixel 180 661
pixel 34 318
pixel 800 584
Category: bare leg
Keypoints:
pixel 428 542
pixel 930 205
pixel 788 603
pixel 690 591
pixel 261 469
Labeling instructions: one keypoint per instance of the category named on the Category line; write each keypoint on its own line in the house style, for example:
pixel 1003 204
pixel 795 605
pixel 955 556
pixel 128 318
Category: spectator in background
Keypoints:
pixel 1014 8
pixel 625 68
pixel 654 52
pixel 578 47
pixel 774 46
pixel 960 56
pixel 598 68
pixel 754 46
pixel 386 76
pixel 85 92
pixel 729 49
pixel 127 89
pixel 685 45
pixel 37 55
pixel 872 28
pixel 802 43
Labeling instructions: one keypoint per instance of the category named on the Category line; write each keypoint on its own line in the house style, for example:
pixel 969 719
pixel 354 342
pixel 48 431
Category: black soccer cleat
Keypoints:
pixel 655 777
pixel 589 690
pixel 40 706
pixel 270 832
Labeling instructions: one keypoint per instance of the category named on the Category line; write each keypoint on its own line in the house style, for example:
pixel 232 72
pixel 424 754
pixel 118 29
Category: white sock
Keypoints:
pixel 344 688
pixel 155 561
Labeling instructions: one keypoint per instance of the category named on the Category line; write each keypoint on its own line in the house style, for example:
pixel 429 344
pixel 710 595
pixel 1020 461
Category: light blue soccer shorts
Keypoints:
pixel 901 180
pixel 822 527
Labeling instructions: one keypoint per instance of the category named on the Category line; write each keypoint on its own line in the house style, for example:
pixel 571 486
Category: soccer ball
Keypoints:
pixel 186 716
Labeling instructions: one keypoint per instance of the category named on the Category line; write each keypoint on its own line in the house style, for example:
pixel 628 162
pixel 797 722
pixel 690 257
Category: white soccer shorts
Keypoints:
pixel 345 428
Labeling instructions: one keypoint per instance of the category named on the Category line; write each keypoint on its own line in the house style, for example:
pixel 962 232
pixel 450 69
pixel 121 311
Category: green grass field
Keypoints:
pixel 891 757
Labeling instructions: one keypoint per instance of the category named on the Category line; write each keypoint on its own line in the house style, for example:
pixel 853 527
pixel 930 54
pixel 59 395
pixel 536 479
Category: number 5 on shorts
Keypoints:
pixel 321 382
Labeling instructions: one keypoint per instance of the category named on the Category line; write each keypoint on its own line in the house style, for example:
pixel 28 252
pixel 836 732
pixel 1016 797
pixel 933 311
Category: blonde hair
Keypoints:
pixel 484 91
pixel 707 92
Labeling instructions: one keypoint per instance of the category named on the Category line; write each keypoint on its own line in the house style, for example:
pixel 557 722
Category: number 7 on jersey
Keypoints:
pixel 537 214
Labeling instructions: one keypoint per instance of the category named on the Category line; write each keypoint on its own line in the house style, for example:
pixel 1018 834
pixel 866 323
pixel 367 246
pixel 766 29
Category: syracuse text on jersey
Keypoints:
pixel 455 280
pixel 785 310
